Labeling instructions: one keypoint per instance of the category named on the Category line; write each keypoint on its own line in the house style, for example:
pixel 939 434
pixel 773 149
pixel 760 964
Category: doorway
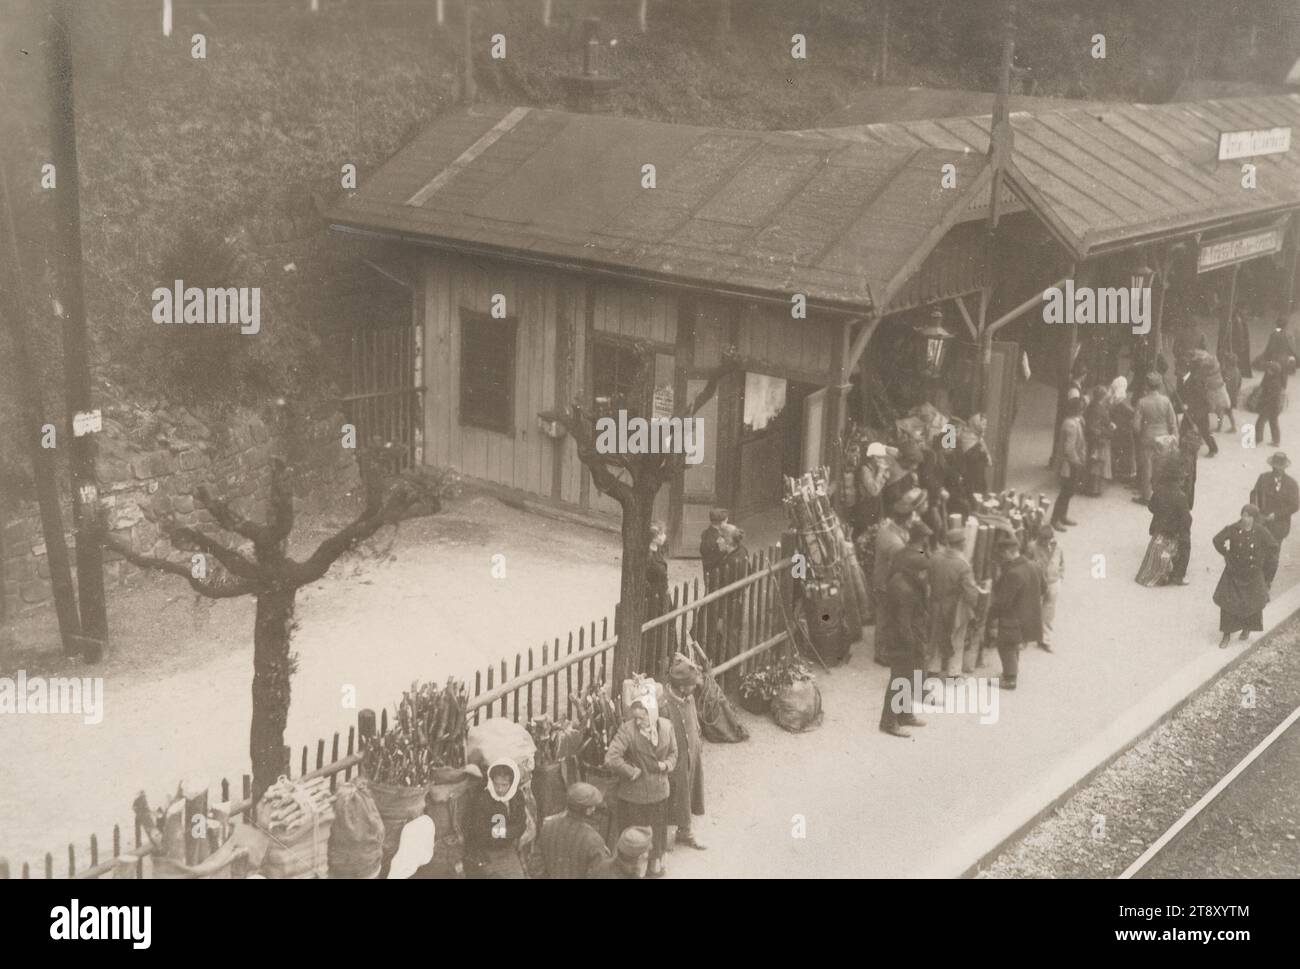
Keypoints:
pixel 770 440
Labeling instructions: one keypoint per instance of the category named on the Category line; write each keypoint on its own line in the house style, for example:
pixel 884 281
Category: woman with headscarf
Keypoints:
pixel 643 754
pixel 1123 467
pixel 494 822
pixel 1249 553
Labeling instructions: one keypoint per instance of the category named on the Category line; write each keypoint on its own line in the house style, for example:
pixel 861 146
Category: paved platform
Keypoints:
pixel 871 805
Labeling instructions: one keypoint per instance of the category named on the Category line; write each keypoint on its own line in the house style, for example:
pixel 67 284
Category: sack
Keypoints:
pixel 498 739
pixel 718 721
pixel 356 844
pixel 1158 561
pixel 303 853
pixel 798 707
pixel 639 686
pixel 396 806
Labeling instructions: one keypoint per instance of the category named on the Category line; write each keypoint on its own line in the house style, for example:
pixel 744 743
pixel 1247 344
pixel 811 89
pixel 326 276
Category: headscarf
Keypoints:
pixel 514 780
pixel 1118 389
pixel 650 732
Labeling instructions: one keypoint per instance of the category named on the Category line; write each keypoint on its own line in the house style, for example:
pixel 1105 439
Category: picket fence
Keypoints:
pixel 732 626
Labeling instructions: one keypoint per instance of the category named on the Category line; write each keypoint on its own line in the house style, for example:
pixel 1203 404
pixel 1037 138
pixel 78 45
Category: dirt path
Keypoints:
pixel 177 681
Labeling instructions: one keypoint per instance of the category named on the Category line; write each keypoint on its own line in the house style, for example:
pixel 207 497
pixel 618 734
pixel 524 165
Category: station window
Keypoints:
pixel 613 379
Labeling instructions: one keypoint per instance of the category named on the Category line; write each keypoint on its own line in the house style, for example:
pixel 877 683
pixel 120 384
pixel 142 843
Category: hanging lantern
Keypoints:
pixel 1140 275
pixel 932 342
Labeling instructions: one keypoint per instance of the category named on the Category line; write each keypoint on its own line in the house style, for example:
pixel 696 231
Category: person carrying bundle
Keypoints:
pixel 495 821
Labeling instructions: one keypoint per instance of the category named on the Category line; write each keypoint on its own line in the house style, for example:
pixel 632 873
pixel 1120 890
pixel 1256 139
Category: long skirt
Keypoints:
pixel 1158 561
pixel 1229 623
pixel 652 816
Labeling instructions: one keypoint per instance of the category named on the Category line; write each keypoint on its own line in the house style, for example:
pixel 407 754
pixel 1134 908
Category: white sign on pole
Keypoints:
pixel 1247 144
pixel 87 422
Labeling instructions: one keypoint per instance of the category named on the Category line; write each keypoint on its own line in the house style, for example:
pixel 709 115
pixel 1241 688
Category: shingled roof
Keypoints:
pixel 885 103
pixel 758 213
pixel 1113 176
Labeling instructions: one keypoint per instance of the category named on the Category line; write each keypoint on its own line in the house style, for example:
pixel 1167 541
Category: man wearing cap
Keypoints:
pixel 686 782
pixel 890 537
pixel 1278 498
pixel 906 627
pixel 631 855
pixel 953 598
pixel 1017 606
pixel 1154 418
pixel 569 845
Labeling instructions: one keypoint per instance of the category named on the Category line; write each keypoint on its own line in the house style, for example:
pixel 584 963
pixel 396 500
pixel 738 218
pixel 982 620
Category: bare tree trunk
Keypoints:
pixel 632 587
pixel 272 672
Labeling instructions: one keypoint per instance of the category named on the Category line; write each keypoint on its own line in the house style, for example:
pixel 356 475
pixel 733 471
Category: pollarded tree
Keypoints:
pixel 633 480
pixel 273 578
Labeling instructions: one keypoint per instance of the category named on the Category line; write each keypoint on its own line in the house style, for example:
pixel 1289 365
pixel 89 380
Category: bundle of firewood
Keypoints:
pixel 289 806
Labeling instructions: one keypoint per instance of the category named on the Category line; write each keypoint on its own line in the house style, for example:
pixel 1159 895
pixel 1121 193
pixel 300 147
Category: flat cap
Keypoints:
pixel 633 842
pixel 582 795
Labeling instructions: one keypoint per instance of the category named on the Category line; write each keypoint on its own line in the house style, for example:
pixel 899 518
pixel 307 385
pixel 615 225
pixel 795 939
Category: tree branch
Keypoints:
pixel 229 519
pixel 220 586
pixel 231 559
pixel 581 429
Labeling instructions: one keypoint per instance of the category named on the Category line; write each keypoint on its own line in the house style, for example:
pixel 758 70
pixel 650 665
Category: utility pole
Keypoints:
pixel 468 88
pixel 76 351
pixel 1001 143
pixel 32 408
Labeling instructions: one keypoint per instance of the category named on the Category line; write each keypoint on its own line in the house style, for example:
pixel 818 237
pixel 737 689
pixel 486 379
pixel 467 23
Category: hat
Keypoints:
pixel 633 842
pixel 955 536
pixel 1006 540
pixel 1153 381
pixel 1251 510
pixel 581 796
pixel 876 449
pixel 683 672
pixel 1279 459
pixel 919 531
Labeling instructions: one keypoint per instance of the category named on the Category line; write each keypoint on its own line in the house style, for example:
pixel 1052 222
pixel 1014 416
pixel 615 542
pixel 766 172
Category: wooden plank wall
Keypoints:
pixel 772 341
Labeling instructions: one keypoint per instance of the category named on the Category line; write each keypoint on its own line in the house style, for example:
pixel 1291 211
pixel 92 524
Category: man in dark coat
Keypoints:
pixel 1279 350
pixel 569 845
pixel 1017 606
pixel 1277 497
pixel 1249 553
pixel 1196 398
pixel 891 536
pixel 907 628
pixel 711 555
pixel 686 782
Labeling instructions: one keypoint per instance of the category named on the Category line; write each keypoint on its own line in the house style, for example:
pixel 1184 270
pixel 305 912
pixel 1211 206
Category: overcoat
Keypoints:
pixel 953 598
pixel 631 749
pixel 1242 590
pixel 1018 602
pixel 905 627
pixel 1279 497
pixel 686 782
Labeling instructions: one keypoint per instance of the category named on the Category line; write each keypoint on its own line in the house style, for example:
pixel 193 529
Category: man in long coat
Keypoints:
pixel 906 626
pixel 686 782
pixel 953 598
pixel 1017 606
pixel 890 538
pixel 711 555
pixel 1249 553
pixel 1277 497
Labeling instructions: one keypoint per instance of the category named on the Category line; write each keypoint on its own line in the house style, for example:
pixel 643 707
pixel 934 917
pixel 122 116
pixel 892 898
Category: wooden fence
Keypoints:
pixel 733 625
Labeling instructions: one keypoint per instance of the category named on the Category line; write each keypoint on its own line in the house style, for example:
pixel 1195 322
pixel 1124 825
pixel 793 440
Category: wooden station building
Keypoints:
pixel 557 220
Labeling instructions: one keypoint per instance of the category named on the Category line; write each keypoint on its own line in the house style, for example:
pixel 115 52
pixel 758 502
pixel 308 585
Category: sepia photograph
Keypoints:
pixel 649 439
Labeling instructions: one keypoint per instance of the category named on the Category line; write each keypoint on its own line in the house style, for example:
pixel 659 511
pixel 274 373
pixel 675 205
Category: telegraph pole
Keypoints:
pixel 32 408
pixel 76 353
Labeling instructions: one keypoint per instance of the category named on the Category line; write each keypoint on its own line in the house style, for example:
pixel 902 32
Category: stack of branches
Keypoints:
pixel 288 806
pixel 597 720
pixel 429 735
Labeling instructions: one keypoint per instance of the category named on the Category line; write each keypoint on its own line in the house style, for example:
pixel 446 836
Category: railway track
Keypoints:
pixel 1246 825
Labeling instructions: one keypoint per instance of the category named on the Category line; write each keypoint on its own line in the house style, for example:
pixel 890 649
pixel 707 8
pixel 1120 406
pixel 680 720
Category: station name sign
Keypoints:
pixel 1225 252
pixel 1248 144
